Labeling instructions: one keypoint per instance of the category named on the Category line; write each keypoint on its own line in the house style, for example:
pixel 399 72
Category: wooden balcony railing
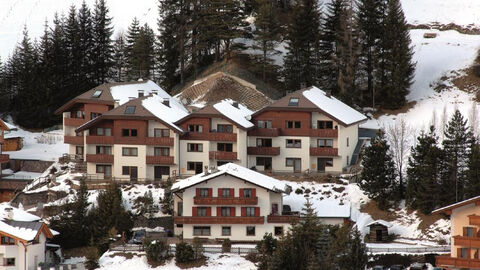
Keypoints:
pixel 74 122
pixel 324 133
pixel 100 139
pixel 474 220
pixel 99 158
pixel 219 220
pixel 449 262
pixel 465 241
pixel 323 151
pixel 282 219
pixel 4 158
pixel 160 160
pixel 78 140
pixel 264 151
pixel 225 200
pixel 264 132
pixel 220 155
pixel 211 136
pixel 161 141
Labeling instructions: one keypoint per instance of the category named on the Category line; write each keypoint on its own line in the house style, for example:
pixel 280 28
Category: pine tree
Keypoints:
pixel 102 49
pixel 140 58
pixel 85 46
pixel 472 184
pixel 356 255
pixel 378 174
pixel 168 50
pixel 119 58
pixel 73 54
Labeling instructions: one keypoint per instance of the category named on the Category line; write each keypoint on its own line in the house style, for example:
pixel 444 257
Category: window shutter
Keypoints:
pixel 254 192
pixel 219 192
pixel 209 211
pixel 194 211
pixel 210 192
pixel 459 252
pixel 257 211
pixel 244 212
pixel 232 211
pixel 464 231
pixel 232 192
pixel 219 211
pixel 241 192
pixel 198 192
pixel 475 232
pixel 469 251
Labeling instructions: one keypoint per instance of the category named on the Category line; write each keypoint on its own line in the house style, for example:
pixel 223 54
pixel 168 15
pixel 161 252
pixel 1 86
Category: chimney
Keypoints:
pixel 131 98
pixel 166 102
pixel 116 103
pixel 328 93
pixel 8 214
pixel 141 93
pixel 235 104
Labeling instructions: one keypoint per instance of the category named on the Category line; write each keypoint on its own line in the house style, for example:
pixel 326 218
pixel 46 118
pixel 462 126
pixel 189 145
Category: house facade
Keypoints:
pixel 4 158
pixel 465 236
pixel 230 202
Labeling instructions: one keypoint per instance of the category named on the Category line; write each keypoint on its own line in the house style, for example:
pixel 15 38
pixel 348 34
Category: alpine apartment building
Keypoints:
pixel 231 202
pixel 3 157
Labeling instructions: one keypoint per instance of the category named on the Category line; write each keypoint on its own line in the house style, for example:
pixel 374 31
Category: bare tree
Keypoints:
pixel 443 122
pixel 473 119
pixel 399 136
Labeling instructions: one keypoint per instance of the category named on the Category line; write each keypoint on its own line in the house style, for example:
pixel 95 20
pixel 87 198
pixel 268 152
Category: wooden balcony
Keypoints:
pixel 99 158
pixel 323 151
pixel 211 136
pixel 474 220
pixel 465 241
pixel 160 160
pixel 225 201
pixel 264 132
pixel 160 141
pixel 219 220
pixel 77 140
pixel 450 262
pixel 282 219
pixel 221 155
pixel 324 133
pixel 263 151
pixel 4 158
pixel 74 122
pixel 100 140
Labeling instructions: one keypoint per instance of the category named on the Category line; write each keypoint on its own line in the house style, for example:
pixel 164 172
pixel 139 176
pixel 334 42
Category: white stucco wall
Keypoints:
pixel 18 252
pixel 139 161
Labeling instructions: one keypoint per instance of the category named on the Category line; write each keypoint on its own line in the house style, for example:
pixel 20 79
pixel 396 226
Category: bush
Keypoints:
pixel 226 246
pixel 267 244
pixel 298 191
pixel 92 259
pixel 197 248
pixel 184 253
pixel 157 251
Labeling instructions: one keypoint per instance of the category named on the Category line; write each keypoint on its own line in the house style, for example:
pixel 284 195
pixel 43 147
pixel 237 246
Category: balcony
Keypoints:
pixel 323 151
pixel 225 201
pixel 465 241
pixel 77 140
pixel 324 133
pixel 100 139
pixel 221 155
pixel 211 136
pixel 474 220
pixel 263 151
pixel 161 141
pixel 160 160
pixel 264 132
pixel 74 122
pixel 450 262
pixel 219 220
pixel 283 218
pixel 99 158
pixel 4 158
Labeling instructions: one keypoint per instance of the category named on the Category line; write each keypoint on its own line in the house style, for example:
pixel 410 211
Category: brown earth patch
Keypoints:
pixel 196 263
pixel 372 209
pixel 403 109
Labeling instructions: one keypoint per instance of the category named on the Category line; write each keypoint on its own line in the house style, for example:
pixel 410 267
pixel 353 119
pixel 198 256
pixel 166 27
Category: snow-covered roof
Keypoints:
pixel 332 209
pixel 238 171
pixel 169 114
pixel 122 93
pixel 20 223
pixel 333 106
pixel 18 214
pixel 238 114
pixel 381 222
pixel 458 204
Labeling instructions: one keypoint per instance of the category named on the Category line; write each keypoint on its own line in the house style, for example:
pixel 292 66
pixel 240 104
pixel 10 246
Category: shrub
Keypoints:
pixel 92 259
pixel 267 244
pixel 197 248
pixel 157 251
pixel 298 191
pixel 183 252
pixel 252 256
pixel 226 246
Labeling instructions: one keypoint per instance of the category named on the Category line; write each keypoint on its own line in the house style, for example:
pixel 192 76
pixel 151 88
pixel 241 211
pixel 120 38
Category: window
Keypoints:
pixel 225 147
pixel 94 115
pixel 264 142
pixel 104 132
pixel 129 151
pixel 294 143
pixel 289 162
pixel 324 124
pixel 225 192
pixel 224 128
pixel 278 230
pixel 201 211
pixel 293 102
pixel 103 150
pixel 161 151
pixel 247 192
pixel 194 147
pixel 8 240
pixel 125 170
pixel 161 132
pixel 250 230
pixel 130 109
pixel 329 162
pixel 159 171
pixel 97 93
pixel 264 161
pixel 195 128
pixel 129 132
pixel 10 262
pixel 201 230
pixel 225 211
pixel 325 143
pixel 348 142
pixel 226 231
pixel 469 231
pixel 264 124
pixel 250 211
pixel 220 163
pixel 78 114
pixel 293 124
pixel 204 192
pixel 132 171
pixel 179 209
pixel 133 132
pixel 464 253
pixel 105 169
pixel 78 150
pixel 194 166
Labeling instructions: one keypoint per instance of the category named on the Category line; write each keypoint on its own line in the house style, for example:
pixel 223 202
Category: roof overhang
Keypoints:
pixel 448 209
pixel 75 101
pixel 211 115
pixel 92 122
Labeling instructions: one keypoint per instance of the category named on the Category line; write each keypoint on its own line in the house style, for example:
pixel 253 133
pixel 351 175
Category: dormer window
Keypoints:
pixel 293 102
pixel 130 110
pixel 97 93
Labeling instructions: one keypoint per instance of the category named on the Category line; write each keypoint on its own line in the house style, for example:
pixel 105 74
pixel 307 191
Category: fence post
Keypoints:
pixel 238 250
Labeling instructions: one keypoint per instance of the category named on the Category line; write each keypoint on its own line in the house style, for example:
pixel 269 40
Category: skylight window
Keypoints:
pixel 293 102
pixel 97 94
pixel 130 110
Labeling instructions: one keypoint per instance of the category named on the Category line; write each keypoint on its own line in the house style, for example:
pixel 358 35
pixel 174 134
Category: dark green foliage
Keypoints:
pixel 197 246
pixel 472 184
pixel 157 251
pixel 144 204
pixel 92 259
pixel 226 245
pixel 184 253
pixel 102 49
pixel 265 248
pixel 378 174
pixel 167 201
pixel 168 50
pixel 351 252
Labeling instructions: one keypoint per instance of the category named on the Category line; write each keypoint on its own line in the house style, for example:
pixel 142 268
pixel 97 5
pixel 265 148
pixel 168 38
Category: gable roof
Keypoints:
pixel 24 230
pixel 3 126
pixel 237 171
pixel 380 222
pixel 314 99
pixel 447 209
pixel 18 214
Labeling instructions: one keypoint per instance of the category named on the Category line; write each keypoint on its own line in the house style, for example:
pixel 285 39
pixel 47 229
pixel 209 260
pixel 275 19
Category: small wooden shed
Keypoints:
pixel 379 231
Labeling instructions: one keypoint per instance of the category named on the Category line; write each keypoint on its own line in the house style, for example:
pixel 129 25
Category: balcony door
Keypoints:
pixel 297 165
pixel 160 171
pixel 321 164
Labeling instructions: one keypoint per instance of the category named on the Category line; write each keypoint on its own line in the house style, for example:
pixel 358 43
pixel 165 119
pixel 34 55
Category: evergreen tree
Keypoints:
pixel 472 185
pixel 378 174
pixel 301 63
pixel 85 46
pixel 119 58
pixel 140 58
pixel 356 255
pixel 168 51
pixel 102 49
pixel 73 54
